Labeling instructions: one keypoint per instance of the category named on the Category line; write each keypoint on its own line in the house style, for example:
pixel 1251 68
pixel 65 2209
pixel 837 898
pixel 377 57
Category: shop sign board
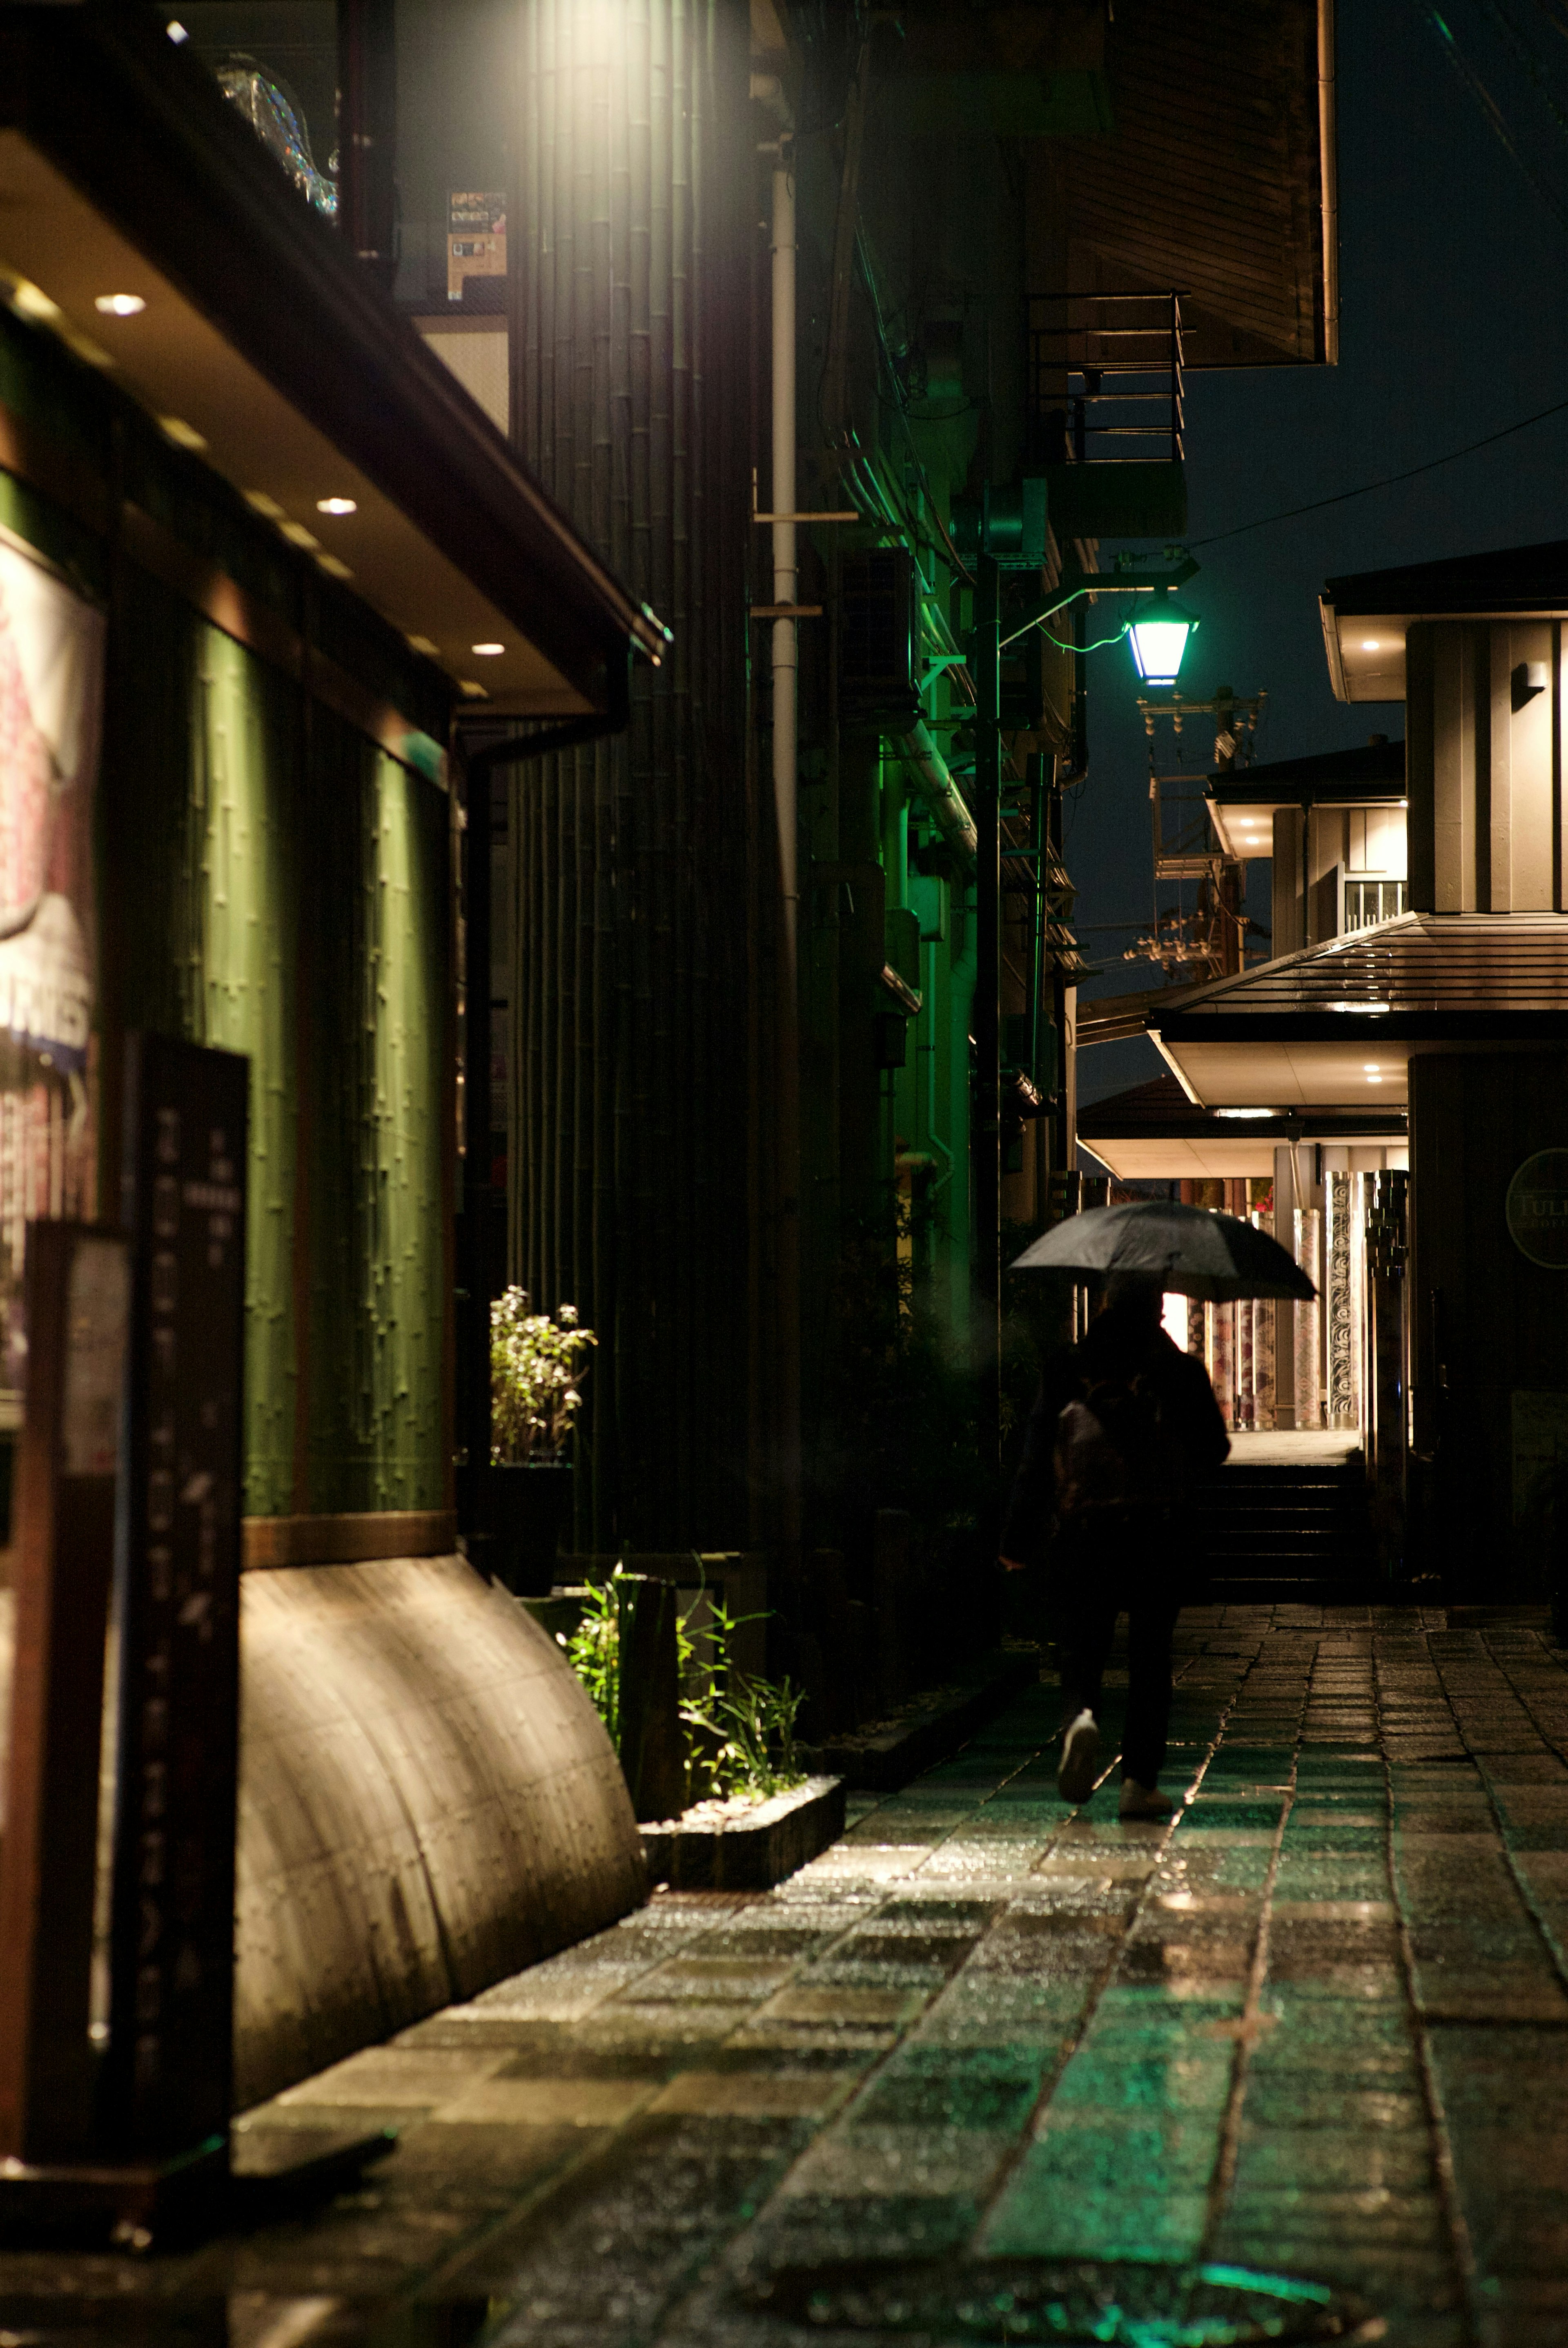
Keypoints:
pixel 168 2062
pixel 1537 1209
pixel 475 238
pixel 51 697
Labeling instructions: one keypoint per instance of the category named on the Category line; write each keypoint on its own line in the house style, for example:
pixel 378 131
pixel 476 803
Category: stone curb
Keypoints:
pixel 882 1759
pixel 748 1854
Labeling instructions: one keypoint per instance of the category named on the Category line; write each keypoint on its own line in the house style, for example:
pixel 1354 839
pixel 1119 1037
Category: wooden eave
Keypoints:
pixel 124 169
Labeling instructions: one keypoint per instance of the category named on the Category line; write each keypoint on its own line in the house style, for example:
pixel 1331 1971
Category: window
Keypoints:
pixel 1366 901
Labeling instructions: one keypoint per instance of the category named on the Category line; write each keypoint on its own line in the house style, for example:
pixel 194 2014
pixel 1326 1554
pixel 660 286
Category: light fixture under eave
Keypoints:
pixel 1247 1112
pixel 337 505
pixel 1158 637
pixel 487 651
pixel 119 305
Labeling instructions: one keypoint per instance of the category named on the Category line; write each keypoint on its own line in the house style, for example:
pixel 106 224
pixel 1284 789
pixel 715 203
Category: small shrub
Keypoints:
pixel 738 1733
pixel 537 1364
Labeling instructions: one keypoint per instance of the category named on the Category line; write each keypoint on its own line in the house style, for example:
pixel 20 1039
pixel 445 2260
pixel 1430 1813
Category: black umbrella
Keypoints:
pixel 1188 1250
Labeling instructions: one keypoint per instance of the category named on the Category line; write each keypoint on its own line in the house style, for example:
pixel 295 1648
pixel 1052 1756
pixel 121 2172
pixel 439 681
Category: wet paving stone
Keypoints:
pixel 1317 2025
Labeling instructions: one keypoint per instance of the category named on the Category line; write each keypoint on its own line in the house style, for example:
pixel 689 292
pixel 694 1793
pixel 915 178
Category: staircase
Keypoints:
pixel 1287 1531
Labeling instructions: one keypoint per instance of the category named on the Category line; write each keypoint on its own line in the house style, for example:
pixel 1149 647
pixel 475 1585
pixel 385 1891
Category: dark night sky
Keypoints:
pixel 1453 323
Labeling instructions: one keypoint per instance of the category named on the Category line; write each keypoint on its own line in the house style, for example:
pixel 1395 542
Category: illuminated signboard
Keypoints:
pixel 1537 1209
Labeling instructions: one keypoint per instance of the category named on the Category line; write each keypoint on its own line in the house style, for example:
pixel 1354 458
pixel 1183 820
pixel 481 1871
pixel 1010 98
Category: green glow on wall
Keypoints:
pixel 378 847
pixel 274 884
pixel 240 942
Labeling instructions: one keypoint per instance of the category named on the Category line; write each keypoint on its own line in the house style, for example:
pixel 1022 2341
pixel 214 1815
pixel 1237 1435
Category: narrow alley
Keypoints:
pixel 1309 2030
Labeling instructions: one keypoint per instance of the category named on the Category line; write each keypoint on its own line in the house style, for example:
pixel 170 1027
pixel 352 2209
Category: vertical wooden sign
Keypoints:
pixel 167 2066
pixel 77 1291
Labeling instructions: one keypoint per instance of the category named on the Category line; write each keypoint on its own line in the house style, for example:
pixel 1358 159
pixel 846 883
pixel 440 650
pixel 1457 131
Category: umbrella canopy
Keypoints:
pixel 1189 1251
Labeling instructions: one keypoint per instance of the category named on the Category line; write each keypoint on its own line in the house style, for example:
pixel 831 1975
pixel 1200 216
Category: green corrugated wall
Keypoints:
pixel 275 884
pixel 240 942
pixel 377 860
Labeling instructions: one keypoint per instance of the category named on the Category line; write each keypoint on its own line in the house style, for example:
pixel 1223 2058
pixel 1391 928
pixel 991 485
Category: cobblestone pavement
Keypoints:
pixel 1317 2025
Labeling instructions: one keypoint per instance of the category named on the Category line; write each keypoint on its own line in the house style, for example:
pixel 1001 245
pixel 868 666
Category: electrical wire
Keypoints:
pixel 1098 645
pixel 1388 480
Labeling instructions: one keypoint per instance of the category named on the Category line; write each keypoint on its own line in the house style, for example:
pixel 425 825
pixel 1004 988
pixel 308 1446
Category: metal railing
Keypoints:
pixel 1105 368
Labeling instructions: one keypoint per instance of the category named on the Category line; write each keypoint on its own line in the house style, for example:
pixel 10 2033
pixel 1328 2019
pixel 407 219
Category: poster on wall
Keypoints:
pixel 51 705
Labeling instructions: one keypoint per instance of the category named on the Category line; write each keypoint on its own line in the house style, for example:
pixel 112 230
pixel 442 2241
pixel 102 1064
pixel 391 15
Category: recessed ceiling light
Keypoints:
pixel 1372 1067
pixel 1374 1080
pixel 183 435
pixel 337 505
pixel 486 652
pixel 1371 644
pixel 1247 1112
pixel 119 305
pixel 33 303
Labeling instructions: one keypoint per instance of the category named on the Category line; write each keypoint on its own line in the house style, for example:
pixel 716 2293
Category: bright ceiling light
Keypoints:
pixel 176 31
pixel 1374 1080
pixel 1247 1112
pixel 336 506
pixel 119 305
pixel 1372 1067
pixel 1159 638
pixel 1374 1007
pixel 486 652
pixel 1371 644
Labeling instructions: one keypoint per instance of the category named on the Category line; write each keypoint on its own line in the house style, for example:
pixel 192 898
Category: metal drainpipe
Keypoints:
pixel 1327 171
pixel 769 91
pixel 940 792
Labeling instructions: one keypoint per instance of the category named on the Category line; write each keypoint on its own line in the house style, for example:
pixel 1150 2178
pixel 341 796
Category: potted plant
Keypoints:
pixel 537 1363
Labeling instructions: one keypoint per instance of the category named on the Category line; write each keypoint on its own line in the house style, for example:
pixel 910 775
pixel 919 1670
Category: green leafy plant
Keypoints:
pixel 593 1651
pixel 738 1731
pixel 537 1364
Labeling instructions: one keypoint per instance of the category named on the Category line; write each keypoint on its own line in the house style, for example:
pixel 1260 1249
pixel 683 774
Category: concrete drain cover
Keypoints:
pixel 1075 2303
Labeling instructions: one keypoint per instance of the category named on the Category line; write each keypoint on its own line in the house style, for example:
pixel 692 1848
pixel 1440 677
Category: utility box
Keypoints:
pixel 879 640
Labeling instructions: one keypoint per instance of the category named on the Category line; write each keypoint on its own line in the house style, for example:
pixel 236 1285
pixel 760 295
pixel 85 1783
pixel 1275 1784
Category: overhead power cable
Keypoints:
pixel 1388 480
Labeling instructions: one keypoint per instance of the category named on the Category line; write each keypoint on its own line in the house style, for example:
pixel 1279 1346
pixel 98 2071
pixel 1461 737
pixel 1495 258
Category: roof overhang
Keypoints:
pixel 264 347
pixel 1366 616
pixel 1243 804
pixel 1341 1020
pixel 1154 1132
pixel 1288 1072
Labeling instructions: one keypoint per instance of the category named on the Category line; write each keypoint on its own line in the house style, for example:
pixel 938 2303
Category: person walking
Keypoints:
pixel 1123 1424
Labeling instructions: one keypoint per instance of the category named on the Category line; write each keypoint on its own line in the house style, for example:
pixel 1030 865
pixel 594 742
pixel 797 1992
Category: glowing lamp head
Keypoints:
pixel 1159 638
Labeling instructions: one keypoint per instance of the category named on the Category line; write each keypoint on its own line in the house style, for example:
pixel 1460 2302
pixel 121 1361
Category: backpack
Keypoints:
pixel 1112 1451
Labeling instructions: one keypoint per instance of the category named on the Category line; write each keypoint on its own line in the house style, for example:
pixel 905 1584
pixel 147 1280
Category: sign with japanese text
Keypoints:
pixel 178 1598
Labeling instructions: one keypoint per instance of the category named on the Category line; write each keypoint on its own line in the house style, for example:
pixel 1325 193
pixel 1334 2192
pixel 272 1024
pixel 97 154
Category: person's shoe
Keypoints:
pixel 1143 1801
pixel 1080 1752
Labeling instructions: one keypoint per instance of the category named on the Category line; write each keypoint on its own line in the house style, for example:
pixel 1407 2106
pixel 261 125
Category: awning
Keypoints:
pixel 1152 1132
pixel 1338 1022
pixel 1244 801
pixel 1365 616
pixel 264 347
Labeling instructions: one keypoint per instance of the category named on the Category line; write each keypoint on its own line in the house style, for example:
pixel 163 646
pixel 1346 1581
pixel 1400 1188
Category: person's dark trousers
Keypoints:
pixel 1098 1571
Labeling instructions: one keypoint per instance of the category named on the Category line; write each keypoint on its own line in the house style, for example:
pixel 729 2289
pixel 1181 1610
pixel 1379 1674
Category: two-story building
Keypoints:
pixel 1390 1086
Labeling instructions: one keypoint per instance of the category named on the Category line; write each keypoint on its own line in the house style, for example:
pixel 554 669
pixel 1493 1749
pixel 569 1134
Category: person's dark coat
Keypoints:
pixel 1115 1348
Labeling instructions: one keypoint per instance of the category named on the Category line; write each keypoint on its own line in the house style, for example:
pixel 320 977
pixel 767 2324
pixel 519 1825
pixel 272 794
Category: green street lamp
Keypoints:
pixel 1158 637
